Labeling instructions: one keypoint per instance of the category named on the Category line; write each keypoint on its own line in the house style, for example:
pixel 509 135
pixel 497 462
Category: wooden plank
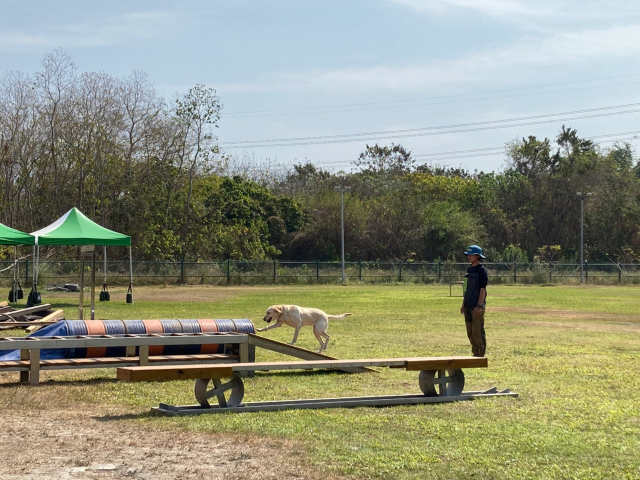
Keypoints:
pixel 294 351
pixel 113 362
pixel 53 317
pixel 244 352
pixel 221 371
pixel 143 352
pixel 34 367
pixel 24 311
pixel 144 374
pixel 438 363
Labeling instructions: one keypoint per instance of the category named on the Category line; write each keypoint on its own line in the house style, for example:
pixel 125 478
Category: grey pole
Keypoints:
pixel 342 189
pixel 582 195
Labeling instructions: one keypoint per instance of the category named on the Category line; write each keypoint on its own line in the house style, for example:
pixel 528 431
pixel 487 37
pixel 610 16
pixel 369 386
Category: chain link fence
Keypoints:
pixel 238 272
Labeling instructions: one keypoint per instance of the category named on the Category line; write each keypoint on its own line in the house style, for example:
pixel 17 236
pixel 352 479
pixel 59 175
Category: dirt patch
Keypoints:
pixel 64 444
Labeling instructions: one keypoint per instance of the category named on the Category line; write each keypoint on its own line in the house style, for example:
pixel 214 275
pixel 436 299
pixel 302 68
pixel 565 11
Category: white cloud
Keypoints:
pixel 488 7
pixel 569 50
pixel 542 15
pixel 109 31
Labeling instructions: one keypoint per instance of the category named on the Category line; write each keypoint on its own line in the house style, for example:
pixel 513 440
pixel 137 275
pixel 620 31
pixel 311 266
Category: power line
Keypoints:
pixel 493 151
pixel 444 99
pixel 436 130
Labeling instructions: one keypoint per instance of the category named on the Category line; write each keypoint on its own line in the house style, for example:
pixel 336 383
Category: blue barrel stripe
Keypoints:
pixel 116 328
pixel 190 326
pixel 225 325
pixel 76 327
pixel 135 327
pixel 243 325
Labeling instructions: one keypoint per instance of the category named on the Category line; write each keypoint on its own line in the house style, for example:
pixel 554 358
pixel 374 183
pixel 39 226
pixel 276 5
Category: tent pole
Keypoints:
pixel 104 255
pixel 130 275
pixel 81 305
pixel 93 284
pixel 35 267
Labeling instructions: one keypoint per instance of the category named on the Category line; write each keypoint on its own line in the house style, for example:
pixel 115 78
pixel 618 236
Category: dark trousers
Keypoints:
pixel 474 320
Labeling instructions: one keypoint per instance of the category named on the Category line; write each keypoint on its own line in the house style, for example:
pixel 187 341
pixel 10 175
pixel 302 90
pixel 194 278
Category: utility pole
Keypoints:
pixel 581 195
pixel 342 189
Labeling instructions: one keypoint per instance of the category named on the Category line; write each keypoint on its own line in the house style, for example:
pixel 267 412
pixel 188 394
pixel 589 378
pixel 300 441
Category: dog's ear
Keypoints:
pixel 278 308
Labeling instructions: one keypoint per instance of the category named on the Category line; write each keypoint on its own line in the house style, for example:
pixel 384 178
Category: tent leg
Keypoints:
pixel 93 284
pixel 81 303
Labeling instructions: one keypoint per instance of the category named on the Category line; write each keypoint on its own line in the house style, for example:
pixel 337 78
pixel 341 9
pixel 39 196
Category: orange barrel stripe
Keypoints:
pixel 208 325
pixel 95 327
pixel 154 326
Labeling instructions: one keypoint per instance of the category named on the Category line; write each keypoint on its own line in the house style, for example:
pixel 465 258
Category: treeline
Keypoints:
pixel 152 169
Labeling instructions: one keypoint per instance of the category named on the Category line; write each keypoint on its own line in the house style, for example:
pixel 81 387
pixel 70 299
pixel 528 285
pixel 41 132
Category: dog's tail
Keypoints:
pixel 338 317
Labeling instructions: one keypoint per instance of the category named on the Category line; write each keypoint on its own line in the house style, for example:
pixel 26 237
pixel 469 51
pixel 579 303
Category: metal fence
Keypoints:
pixel 235 272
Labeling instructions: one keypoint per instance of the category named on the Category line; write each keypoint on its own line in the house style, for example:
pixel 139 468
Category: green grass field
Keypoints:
pixel 572 353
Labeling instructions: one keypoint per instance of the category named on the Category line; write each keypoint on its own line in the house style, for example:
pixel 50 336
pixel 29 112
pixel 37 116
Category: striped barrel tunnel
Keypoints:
pixel 73 328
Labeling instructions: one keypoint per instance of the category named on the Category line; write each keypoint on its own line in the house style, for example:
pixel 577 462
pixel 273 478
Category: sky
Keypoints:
pixel 453 81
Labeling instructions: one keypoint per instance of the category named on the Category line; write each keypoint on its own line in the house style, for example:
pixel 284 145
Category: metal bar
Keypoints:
pixel 12 343
pixel 347 402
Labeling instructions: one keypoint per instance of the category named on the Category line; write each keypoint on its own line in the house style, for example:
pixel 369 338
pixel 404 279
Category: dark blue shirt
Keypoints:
pixel 475 279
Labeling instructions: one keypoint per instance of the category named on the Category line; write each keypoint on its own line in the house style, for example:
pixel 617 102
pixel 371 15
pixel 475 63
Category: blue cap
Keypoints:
pixel 474 250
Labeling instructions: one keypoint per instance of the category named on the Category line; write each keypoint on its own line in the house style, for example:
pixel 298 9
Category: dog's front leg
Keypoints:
pixel 295 334
pixel 269 327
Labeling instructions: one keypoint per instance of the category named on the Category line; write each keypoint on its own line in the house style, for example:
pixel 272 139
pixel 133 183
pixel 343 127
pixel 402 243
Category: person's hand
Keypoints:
pixel 478 309
pixel 462 309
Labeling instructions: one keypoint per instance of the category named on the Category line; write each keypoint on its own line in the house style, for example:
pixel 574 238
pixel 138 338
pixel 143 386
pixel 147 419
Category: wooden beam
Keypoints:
pixel 440 363
pixel 34 367
pixel 149 373
pixel 13 314
pixel 154 373
pixel 53 317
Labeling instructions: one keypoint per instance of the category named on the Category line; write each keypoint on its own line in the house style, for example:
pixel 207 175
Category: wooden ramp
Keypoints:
pixel 298 352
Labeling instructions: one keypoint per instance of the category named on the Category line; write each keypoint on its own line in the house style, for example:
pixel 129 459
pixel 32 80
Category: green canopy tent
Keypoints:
pixel 11 236
pixel 74 228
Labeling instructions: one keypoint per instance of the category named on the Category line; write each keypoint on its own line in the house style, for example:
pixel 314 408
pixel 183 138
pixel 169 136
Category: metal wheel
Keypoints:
pixel 449 382
pixel 235 397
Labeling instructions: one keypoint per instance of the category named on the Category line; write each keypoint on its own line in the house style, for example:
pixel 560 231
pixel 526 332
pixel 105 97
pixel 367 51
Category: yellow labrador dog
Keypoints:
pixel 297 317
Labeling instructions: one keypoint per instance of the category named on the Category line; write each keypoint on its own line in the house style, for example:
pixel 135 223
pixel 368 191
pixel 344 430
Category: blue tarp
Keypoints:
pixel 56 329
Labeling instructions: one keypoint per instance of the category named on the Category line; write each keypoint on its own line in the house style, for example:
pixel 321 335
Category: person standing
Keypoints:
pixel 475 299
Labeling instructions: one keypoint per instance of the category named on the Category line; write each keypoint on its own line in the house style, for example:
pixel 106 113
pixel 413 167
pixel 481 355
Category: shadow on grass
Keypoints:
pixel 127 416
pixel 67 383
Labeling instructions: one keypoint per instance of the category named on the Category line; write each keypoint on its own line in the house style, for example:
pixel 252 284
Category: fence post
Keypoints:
pixel 360 270
pixel 586 273
pixel 515 272
pixel 275 272
pixel 439 271
pixel 400 272
pixel 228 270
pixel 26 272
pixel 317 271
pixel 182 270
pixel 619 274
pixel 550 272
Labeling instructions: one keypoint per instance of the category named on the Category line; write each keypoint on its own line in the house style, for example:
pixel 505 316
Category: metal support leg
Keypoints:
pixel 450 382
pixel 235 397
